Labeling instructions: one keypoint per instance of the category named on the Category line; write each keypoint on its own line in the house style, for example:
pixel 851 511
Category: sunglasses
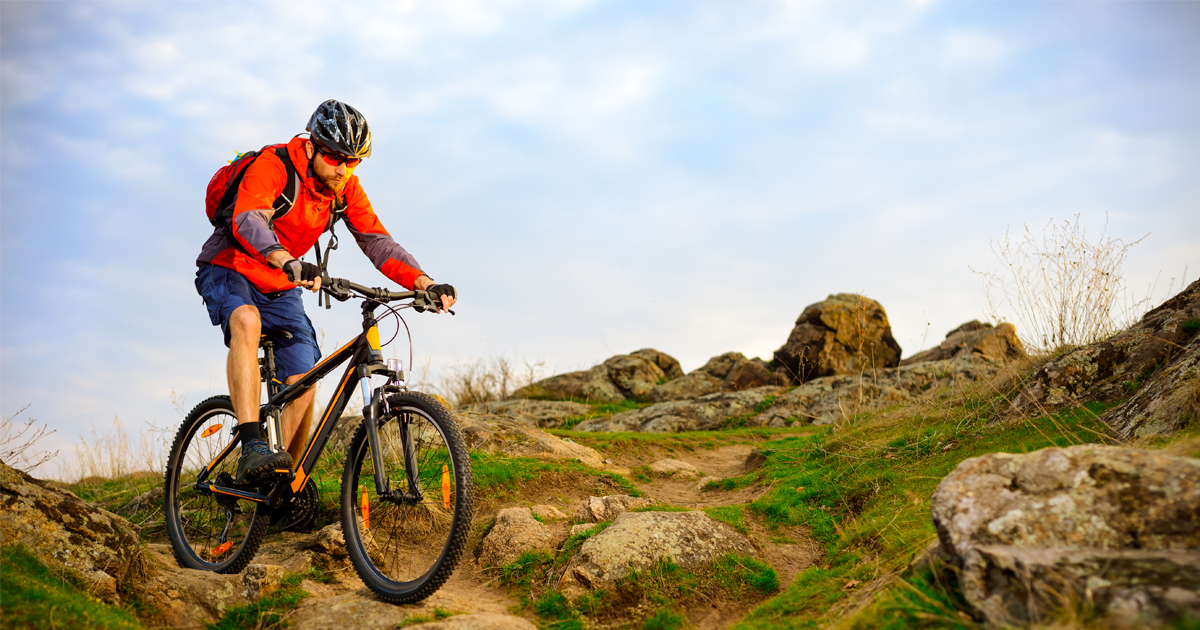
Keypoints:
pixel 334 159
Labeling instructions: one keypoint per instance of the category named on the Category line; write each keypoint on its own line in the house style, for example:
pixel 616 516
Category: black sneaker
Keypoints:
pixel 259 464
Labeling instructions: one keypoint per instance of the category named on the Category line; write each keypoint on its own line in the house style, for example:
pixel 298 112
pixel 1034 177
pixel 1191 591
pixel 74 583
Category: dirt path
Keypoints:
pixel 345 602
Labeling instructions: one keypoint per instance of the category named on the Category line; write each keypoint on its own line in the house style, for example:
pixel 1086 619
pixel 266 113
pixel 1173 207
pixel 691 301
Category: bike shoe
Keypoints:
pixel 259 464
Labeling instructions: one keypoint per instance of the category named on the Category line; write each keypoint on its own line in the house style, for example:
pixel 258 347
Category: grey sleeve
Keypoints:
pixel 253 229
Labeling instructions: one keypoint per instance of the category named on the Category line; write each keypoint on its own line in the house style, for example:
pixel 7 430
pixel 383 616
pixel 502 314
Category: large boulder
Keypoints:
pixel 637 540
pixel 515 532
pixel 845 334
pixel 1155 364
pixel 61 530
pixel 606 508
pixel 687 387
pixel 620 377
pixel 729 372
pixel 1113 527
pixel 998 343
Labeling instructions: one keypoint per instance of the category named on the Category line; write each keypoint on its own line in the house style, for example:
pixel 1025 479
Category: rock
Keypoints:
pixel 539 413
pixel 634 374
pixel 703 414
pixel 588 385
pixel 61 530
pixel 623 376
pixel 1112 526
pixel 834 398
pixel 261 580
pixel 515 532
pixel 548 512
pixel 580 528
pixel 687 387
pixel 998 343
pixel 675 468
pixel 328 540
pixel 720 365
pixel 749 374
pixel 845 334
pixel 513 438
pixel 637 540
pixel 704 481
pixel 598 509
pixel 1155 364
pixel 665 362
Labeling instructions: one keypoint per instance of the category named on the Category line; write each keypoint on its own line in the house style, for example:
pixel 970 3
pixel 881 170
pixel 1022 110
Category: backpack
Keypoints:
pixel 223 188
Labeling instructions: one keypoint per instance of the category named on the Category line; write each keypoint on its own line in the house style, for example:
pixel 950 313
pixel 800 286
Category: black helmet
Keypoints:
pixel 341 129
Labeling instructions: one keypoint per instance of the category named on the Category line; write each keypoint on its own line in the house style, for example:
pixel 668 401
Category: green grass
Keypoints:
pixel 34 596
pixel 731 515
pixel 268 612
pixel 412 620
pixel 863 492
pixel 601 410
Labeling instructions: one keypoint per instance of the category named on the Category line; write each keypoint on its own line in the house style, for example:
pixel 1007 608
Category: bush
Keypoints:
pixel 1062 288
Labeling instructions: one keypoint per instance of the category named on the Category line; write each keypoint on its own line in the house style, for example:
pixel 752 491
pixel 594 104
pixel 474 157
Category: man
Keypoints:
pixel 251 280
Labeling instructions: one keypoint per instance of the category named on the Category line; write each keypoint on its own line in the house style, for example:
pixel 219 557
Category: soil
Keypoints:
pixel 472 590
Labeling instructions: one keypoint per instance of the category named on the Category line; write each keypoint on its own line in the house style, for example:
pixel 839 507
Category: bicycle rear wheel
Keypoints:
pixel 208 530
pixel 405 548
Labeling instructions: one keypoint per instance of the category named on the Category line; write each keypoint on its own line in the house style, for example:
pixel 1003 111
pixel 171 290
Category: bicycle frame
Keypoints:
pixel 366 359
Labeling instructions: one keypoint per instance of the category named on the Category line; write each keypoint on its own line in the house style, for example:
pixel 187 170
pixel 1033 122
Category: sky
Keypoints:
pixel 593 177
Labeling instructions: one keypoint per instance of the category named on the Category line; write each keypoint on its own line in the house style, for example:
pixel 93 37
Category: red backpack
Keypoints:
pixel 223 188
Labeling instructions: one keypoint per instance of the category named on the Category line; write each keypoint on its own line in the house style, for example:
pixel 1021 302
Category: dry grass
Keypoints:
pixel 484 380
pixel 18 442
pixel 115 453
pixel 1064 289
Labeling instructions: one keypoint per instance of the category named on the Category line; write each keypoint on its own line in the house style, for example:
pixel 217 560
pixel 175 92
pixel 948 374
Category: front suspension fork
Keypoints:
pixel 371 421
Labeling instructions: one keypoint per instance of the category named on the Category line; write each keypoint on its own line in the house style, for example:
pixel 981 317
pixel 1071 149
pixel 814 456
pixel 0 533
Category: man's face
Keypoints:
pixel 331 169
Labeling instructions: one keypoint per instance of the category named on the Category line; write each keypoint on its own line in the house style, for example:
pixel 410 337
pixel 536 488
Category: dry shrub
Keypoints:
pixel 485 380
pixel 1064 289
pixel 114 454
pixel 18 442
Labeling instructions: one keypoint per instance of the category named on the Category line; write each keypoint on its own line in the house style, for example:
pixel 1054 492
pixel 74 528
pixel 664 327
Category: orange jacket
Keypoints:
pixel 300 228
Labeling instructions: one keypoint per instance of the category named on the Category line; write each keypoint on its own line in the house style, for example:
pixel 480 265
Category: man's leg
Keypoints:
pixel 245 381
pixel 297 421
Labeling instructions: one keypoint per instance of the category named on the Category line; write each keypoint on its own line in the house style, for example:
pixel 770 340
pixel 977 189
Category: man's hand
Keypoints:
pixel 443 293
pixel 303 274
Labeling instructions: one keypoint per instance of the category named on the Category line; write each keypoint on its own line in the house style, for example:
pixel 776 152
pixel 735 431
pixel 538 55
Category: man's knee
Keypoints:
pixel 245 324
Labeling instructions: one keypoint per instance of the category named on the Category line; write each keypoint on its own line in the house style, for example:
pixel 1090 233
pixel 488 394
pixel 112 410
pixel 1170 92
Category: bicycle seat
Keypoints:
pixel 273 336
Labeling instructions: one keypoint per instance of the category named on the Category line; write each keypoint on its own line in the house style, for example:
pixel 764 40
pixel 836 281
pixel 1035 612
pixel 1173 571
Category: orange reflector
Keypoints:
pixel 211 430
pixel 445 486
pixel 222 548
pixel 366 509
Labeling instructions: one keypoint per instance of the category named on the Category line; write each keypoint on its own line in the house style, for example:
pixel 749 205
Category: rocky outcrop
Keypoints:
pixel 1155 364
pixel 515 532
pixel 513 438
pixel 539 413
pixel 674 468
pixel 693 385
pixel 599 509
pixel 703 414
pixel 62 530
pixel 998 343
pixel 637 540
pixel 845 334
pixel 1117 529
pixel 728 372
pixel 623 376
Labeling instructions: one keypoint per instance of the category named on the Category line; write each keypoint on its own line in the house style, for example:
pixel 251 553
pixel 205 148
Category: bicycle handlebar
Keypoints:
pixel 341 290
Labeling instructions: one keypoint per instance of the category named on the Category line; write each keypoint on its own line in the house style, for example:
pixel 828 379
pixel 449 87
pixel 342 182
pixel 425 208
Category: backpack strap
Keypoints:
pixel 291 190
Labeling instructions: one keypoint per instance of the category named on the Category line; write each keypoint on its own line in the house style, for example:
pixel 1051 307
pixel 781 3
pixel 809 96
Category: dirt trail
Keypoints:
pixel 346 602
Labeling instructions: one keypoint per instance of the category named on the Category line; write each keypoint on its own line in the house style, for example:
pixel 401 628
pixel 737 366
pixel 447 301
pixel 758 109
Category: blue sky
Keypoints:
pixel 594 177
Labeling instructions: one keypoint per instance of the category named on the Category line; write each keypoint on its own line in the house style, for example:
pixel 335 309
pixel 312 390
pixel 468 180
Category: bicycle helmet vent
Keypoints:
pixel 341 129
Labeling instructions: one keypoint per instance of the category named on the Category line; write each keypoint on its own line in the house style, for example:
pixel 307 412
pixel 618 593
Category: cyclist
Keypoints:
pixel 251 280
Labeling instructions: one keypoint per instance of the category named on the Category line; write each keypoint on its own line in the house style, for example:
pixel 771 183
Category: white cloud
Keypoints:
pixel 966 49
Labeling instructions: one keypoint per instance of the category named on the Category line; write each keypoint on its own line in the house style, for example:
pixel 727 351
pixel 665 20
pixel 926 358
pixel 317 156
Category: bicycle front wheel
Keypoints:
pixel 209 531
pixel 406 544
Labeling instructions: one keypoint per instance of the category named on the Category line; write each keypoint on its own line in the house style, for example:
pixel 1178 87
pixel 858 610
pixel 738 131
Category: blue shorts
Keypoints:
pixel 224 290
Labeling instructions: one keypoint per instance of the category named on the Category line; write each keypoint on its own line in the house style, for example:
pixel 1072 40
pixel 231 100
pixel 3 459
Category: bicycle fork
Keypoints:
pixel 411 470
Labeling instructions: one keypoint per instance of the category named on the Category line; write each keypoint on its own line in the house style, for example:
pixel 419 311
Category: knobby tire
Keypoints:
pixel 196 518
pixel 405 550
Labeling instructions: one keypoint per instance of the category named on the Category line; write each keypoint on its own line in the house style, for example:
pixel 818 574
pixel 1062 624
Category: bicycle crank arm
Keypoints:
pixel 233 492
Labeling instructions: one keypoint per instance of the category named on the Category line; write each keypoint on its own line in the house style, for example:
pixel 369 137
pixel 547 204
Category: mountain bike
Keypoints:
pixel 407 490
